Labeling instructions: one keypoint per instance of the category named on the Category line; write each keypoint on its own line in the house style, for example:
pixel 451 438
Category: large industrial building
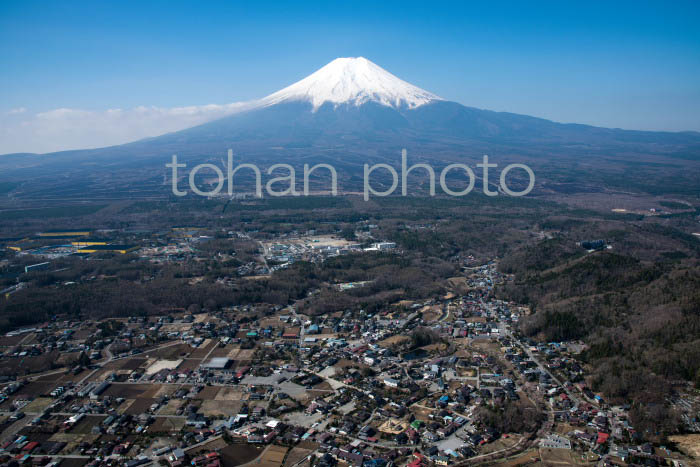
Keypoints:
pixel 90 242
pixel 217 363
pixel 65 233
pixel 123 249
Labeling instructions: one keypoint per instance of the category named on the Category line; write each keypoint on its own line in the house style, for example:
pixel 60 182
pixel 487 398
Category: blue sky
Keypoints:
pixel 631 65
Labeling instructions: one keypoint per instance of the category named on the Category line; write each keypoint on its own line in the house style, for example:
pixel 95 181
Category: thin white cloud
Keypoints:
pixel 66 128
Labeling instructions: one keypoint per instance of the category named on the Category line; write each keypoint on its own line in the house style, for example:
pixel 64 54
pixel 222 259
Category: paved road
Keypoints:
pixel 301 330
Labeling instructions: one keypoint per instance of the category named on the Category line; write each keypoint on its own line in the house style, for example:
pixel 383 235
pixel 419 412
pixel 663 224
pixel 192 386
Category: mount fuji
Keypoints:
pixel 355 100
pixel 352 111
pixel 354 81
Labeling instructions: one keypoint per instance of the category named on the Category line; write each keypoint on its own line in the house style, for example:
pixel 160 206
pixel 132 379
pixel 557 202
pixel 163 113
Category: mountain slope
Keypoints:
pixel 300 123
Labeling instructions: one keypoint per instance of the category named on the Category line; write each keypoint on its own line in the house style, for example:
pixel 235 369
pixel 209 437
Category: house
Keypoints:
pixel 366 432
pixel 255 439
pixel 324 439
pixel 177 455
pixel 446 430
pixel 347 428
pixel 412 434
pixel 585 437
pixel 390 382
pixel 351 458
pixel 197 420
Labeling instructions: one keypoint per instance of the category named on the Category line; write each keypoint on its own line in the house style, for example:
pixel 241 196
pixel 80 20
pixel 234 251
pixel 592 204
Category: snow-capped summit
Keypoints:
pixel 352 80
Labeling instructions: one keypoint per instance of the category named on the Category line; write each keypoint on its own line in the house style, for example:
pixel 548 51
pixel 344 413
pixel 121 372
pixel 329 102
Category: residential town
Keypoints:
pixel 447 381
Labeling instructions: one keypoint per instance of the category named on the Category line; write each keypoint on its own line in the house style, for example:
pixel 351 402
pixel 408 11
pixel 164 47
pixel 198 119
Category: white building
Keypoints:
pixel 390 382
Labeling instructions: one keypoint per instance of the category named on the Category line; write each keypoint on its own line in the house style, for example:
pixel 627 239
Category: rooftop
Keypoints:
pixel 217 363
